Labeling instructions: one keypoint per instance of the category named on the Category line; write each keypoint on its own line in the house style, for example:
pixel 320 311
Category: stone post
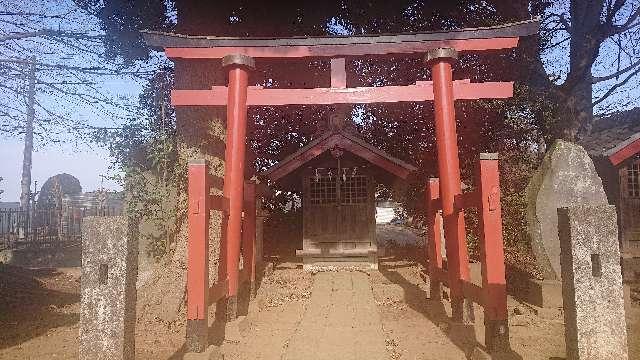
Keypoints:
pixel 108 288
pixel 593 300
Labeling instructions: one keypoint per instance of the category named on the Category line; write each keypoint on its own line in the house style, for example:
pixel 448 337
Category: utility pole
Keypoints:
pixel 25 183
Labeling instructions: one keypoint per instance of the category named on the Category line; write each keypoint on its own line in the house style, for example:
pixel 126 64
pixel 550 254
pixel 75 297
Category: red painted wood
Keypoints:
pixel 473 292
pixel 341 50
pixel 625 153
pixel 338 73
pixel 450 186
pixel 218 291
pixel 219 202
pixel 436 204
pixel 216 181
pixel 198 243
pixel 486 90
pixel 234 170
pixel 423 91
pixel 434 236
pixel 226 191
pixel 441 276
pixel 491 247
pixel 244 275
pixel 467 200
pixel 249 230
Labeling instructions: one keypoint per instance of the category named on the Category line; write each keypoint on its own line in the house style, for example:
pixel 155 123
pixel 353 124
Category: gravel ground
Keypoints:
pixel 39 314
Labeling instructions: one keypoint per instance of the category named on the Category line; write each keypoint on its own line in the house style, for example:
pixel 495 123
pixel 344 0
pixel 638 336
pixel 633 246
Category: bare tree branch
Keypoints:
pixel 616 86
pixel 612 10
pixel 93 70
pixel 558 43
pixel 49 33
pixel 628 24
pixel 560 20
pixel 24 35
pixel 31 14
pixel 565 23
pixel 616 74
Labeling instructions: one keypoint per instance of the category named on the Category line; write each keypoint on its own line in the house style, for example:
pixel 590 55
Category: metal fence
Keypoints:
pixel 20 228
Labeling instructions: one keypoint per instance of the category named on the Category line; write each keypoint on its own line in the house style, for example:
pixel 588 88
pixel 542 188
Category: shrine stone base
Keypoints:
pixel 312 264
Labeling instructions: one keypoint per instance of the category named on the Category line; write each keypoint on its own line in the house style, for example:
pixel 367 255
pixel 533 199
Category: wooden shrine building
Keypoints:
pixel 338 173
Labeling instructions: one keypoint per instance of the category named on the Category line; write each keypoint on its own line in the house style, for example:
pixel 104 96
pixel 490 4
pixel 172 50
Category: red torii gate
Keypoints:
pixel 443 195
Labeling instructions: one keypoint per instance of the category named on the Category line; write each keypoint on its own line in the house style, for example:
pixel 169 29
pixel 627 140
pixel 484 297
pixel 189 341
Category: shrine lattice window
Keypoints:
pixel 323 190
pixel 354 189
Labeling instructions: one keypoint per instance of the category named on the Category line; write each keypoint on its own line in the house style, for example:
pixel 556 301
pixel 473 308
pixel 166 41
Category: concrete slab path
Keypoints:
pixel 341 321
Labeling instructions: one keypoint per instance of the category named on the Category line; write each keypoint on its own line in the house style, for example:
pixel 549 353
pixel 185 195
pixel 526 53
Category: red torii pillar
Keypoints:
pixel 198 257
pixel 239 67
pixel 494 285
pixel 441 61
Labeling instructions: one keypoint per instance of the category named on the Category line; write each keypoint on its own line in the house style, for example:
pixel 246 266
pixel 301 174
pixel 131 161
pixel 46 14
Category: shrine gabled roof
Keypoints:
pixel 616 136
pixel 467 39
pixel 345 141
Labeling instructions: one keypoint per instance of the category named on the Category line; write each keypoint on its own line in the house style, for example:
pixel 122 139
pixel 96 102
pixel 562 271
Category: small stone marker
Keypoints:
pixel 593 300
pixel 108 283
pixel 566 177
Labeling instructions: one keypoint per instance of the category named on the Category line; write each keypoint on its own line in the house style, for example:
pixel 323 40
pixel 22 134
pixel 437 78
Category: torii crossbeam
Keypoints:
pixel 421 91
pixel 441 49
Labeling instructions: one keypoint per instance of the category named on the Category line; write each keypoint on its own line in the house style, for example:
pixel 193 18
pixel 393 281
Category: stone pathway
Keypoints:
pixel 341 321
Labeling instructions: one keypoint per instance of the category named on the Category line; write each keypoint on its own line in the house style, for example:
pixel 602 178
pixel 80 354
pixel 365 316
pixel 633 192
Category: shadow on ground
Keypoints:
pixel 461 335
pixel 217 328
pixel 29 309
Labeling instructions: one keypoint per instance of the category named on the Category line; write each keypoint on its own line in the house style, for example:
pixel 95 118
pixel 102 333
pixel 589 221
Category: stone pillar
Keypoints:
pixel 108 288
pixel 593 300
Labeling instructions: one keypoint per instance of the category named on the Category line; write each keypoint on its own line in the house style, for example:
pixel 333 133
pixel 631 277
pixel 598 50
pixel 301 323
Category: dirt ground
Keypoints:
pixel 39 314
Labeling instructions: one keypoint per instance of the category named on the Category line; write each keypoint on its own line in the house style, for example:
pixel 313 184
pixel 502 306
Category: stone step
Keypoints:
pixel 337 252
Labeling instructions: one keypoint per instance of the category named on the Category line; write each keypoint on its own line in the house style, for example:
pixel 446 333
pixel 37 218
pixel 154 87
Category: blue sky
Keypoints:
pixel 556 61
pixel 90 164
pixel 70 151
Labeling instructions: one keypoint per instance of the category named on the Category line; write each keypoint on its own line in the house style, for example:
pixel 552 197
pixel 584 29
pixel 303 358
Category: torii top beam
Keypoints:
pixel 213 47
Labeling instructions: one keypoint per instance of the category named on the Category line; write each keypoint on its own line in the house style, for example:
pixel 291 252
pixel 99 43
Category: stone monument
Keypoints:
pixel 566 177
pixel 594 314
pixel 108 288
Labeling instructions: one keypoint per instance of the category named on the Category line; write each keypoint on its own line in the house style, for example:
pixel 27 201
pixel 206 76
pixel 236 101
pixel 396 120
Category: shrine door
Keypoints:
pixel 338 211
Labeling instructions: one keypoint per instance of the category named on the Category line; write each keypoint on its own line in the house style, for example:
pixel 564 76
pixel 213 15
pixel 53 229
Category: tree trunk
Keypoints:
pixel 575 115
pixel 25 183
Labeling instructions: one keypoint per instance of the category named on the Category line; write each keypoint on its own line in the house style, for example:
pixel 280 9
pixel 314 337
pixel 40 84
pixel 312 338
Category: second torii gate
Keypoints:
pixel 443 195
